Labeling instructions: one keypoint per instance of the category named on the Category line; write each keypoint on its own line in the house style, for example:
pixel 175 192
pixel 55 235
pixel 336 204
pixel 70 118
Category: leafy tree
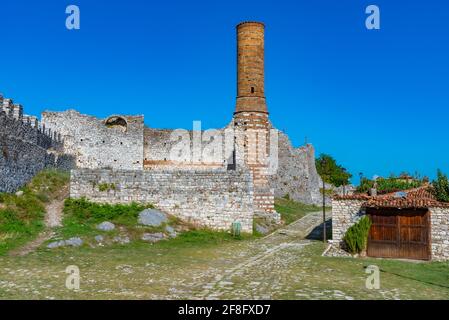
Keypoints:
pixel 331 172
pixel 441 187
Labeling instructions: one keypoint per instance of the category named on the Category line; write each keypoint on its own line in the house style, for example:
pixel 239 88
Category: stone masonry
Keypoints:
pixel 346 212
pixel 213 198
pixel 26 147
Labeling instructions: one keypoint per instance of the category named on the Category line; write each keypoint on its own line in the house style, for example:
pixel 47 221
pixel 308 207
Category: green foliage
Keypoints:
pixel 22 217
pixel 90 212
pixel 390 184
pixel 331 172
pixel 106 187
pixel 357 235
pixel 441 187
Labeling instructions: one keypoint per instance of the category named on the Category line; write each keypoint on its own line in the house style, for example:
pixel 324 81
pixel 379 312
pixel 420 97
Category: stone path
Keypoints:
pixel 276 248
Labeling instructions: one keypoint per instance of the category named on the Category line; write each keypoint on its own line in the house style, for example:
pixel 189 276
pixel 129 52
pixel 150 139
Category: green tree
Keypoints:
pixel 441 187
pixel 331 172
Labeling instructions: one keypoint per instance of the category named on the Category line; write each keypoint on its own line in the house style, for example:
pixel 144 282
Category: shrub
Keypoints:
pixel 85 211
pixel 441 187
pixel 357 235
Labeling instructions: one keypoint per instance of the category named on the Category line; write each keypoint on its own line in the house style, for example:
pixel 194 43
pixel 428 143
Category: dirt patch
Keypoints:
pixel 53 218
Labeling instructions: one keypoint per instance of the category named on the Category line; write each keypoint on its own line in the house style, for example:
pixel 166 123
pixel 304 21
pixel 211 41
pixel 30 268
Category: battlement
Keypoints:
pixel 26 127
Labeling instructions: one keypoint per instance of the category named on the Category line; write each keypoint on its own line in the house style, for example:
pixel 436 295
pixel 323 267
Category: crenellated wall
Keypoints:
pixel 26 147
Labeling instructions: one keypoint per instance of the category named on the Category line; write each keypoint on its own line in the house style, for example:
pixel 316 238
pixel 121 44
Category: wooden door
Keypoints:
pixel 398 233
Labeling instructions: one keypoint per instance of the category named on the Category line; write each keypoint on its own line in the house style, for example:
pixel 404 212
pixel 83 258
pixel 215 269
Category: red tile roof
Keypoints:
pixel 421 197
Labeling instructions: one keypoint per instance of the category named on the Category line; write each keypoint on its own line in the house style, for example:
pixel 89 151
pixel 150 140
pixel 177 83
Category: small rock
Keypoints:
pixel 153 237
pixel 99 238
pixel 261 229
pixel 152 217
pixel 171 232
pixel 122 239
pixel 56 244
pixel 19 193
pixel 74 242
pixel 106 226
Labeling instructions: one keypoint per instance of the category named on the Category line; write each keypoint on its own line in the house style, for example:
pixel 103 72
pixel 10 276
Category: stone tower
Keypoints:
pixel 251 115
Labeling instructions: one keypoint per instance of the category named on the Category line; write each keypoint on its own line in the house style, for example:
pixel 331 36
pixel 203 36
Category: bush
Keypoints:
pixel 85 211
pixel 357 235
pixel 387 185
pixel 441 187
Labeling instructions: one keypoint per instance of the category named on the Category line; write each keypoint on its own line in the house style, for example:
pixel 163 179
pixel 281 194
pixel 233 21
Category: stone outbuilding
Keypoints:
pixel 410 224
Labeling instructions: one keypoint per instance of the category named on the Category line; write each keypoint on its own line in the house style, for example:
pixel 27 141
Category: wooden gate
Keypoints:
pixel 398 233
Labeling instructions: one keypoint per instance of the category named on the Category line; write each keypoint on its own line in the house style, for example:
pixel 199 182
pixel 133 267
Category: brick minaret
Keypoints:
pixel 251 115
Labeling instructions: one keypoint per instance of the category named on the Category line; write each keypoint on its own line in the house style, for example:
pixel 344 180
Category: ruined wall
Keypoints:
pixel 100 143
pixel 26 147
pixel 214 198
pixel 296 174
pixel 161 148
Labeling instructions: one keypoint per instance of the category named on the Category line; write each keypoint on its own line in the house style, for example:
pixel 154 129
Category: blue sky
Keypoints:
pixel 377 100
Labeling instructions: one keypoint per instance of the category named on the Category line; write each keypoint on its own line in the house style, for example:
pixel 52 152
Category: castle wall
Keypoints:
pixel 213 198
pixel 296 174
pixel 26 148
pixel 96 143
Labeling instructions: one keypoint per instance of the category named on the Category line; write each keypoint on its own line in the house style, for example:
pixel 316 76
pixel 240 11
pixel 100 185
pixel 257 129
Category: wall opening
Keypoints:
pixel 117 122
pixel 252 90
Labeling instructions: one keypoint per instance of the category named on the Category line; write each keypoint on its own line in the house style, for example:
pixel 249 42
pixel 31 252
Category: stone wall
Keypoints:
pixel 296 174
pixel 345 213
pixel 115 142
pixel 26 147
pixel 439 218
pixel 214 198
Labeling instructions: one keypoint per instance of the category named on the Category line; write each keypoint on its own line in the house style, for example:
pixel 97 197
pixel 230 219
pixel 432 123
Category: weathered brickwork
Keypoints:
pixel 214 198
pixel 26 147
pixel 115 142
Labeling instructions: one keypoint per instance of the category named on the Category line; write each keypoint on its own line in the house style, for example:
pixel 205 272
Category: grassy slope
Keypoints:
pixel 291 210
pixel 22 217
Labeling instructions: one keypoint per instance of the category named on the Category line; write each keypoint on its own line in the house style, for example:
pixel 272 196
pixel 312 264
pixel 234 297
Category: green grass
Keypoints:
pixel 291 210
pixel 21 217
pixel 419 279
pixel 81 217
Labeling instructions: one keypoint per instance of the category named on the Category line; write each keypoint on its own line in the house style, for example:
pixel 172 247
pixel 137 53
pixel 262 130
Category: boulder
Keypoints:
pixel 56 244
pixel 153 237
pixel 152 217
pixel 106 226
pixel 19 193
pixel 99 238
pixel 74 242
